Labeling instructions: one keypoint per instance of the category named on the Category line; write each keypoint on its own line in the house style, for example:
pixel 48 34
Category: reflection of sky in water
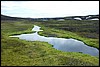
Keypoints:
pixel 62 44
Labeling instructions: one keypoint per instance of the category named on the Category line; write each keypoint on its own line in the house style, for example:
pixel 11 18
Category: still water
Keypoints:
pixel 69 45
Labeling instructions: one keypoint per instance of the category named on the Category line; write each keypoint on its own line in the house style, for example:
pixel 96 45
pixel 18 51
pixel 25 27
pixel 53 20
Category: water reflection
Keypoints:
pixel 70 45
pixel 36 28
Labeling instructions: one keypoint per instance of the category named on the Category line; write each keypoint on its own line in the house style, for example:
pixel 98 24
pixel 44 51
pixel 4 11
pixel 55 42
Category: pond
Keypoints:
pixel 68 45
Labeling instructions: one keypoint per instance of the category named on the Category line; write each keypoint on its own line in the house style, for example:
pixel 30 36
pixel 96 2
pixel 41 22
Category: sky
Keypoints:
pixel 42 9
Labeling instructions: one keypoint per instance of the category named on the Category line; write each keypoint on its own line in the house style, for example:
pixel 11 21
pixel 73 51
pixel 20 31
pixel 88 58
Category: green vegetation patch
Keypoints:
pixel 16 52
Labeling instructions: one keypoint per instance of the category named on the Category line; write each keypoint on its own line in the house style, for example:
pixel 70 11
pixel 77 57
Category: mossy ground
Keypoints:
pixel 16 52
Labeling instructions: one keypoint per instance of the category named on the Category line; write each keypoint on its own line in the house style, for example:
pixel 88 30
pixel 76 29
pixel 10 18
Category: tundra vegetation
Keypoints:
pixel 16 52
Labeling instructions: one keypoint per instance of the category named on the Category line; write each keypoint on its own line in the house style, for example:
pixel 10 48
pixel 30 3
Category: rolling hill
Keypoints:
pixel 88 17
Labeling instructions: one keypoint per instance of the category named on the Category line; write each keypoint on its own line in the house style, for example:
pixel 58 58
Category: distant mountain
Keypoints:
pixel 4 17
pixel 88 17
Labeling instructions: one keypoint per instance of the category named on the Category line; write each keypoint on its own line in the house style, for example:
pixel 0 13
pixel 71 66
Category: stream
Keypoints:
pixel 68 45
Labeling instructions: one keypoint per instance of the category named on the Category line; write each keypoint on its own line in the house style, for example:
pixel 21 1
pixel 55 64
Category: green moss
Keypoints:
pixel 16 52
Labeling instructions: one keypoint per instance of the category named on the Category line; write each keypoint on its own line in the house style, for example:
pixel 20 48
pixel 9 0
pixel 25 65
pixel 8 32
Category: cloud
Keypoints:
pixel 49 8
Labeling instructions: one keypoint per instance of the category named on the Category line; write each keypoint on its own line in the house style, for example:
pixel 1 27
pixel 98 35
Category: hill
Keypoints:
pixel 88 17
pixel 4 17
pixel 17 52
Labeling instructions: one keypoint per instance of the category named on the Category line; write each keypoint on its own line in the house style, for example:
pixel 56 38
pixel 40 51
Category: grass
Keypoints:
pixel 67 34
pixel 16 52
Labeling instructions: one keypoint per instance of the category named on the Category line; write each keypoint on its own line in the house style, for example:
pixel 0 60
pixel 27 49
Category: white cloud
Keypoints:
pixel 49 8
